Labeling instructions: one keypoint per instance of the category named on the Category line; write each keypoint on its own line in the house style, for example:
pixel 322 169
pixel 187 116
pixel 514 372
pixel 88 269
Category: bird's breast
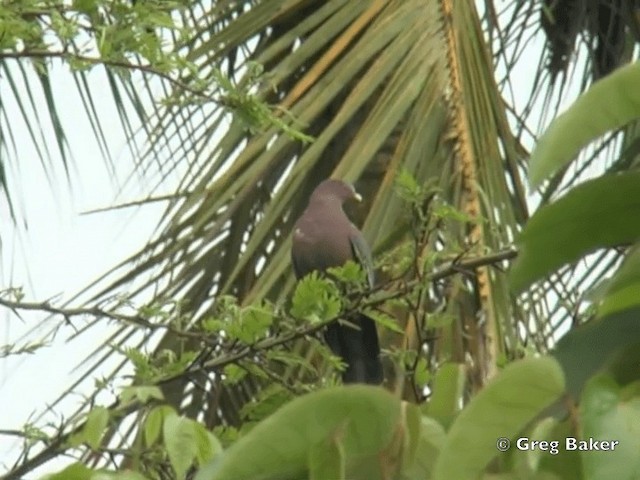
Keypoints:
pixel 316 248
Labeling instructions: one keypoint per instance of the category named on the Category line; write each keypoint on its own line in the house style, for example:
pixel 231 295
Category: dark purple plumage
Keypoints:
pixel 324 237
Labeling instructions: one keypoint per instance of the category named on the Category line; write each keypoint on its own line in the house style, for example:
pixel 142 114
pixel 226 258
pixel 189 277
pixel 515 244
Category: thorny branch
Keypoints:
pixel 97 312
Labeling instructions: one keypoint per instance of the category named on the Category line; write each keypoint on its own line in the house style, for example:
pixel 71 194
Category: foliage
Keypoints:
pixel 364 432
pixel 599 213
pixel 617 102
pixel 167 442
pixel 149 38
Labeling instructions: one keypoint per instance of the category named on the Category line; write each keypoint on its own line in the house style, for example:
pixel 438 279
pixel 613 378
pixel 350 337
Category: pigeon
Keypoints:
pixel 324 237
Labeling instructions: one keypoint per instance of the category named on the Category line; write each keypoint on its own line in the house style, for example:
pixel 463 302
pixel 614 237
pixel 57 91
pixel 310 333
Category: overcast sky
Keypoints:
pixel 61 251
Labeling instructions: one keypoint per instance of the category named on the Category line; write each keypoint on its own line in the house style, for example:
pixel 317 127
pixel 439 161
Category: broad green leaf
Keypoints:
pixel 327 459
pixel 432 437
pixel 180 442
pixel 599 213
pixel 527 462
pixel 566 465
pixel 609 104
pixel 365 419
pixel 621 291
pixel 501 409
pixel 607 417
pixel 414 430
pixel 588 348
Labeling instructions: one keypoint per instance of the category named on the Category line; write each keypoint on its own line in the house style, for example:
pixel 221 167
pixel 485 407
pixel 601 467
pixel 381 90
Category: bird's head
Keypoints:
pixel 335 191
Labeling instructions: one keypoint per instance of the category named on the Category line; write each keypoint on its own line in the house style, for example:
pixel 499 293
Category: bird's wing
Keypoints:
pixel 296 268
pixel 362 254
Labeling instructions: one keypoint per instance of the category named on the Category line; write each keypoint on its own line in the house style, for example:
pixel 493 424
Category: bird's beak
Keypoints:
pixel 357 196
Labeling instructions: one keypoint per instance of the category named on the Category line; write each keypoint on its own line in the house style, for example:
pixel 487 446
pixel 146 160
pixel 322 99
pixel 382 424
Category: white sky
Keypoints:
pixel 62 250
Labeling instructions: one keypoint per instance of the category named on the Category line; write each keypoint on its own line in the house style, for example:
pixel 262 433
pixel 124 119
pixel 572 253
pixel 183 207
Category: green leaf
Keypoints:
pixel 327 459
pixel 407 186
pixel 413 433
pixel 141 393
pixel 501 409
pixel 607 417
pixel 160 19
pixel 78 471
pixel 207 443
pixel 85 6
pixel 153 423
pixel 253 324
pixel 92 430
pixel 365 419
pixel 432 437
pixel 234 373
pixel 446 211
pixel 75 471
pixel 621 291
pixel 123 475
pixel 315 299
pixel 384 319
pixel 422 373
pixel 440 319
pixel 448 386
pixel 567 465
pixel 350 272
pixel 97 422
pixel 599 213
pixel 527 462
pixel 609 104
pixel 180 442
pixel 269 400
pixel 588 348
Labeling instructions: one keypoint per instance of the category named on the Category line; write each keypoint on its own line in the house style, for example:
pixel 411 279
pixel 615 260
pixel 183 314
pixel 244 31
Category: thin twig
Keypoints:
pixel 97 312
pixel 110 63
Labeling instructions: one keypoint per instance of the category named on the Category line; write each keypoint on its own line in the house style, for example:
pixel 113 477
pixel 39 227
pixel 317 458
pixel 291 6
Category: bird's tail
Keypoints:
pixel 357 344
